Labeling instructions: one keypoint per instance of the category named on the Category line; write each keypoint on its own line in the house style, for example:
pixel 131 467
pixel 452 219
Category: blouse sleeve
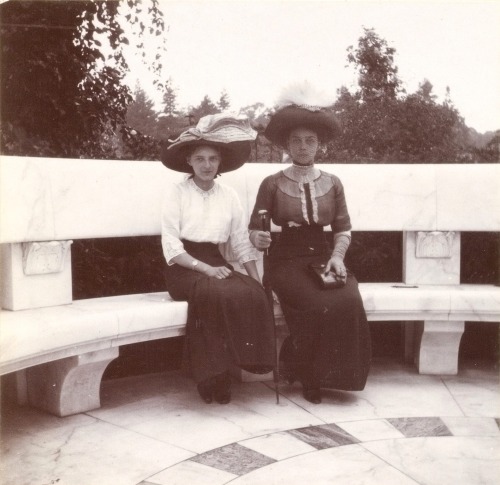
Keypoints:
pixel 170 224
pixel 239 241
pixel 341 221
pixel 264 200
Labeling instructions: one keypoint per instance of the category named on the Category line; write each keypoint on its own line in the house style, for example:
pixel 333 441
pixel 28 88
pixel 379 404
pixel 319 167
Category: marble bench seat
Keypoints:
pixel 65 349
pixel 36 336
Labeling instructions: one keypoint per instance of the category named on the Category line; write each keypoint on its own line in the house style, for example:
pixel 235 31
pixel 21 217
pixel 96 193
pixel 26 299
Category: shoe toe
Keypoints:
pixel 205 391
pixel 222 390
pixel 312 395
pixel 223 399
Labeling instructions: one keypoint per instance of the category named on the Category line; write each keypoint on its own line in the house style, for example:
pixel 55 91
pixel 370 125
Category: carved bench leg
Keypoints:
pixel 71 385
pixel 439 345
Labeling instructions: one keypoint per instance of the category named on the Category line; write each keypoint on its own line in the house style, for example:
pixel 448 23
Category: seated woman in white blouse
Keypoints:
pixel 229 316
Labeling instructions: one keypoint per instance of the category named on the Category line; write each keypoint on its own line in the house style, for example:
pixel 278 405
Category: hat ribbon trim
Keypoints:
pixel 309 107
pixel 220 135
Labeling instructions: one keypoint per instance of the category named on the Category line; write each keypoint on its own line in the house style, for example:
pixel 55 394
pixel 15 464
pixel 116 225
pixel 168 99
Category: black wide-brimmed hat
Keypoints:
pixel 301 106
pixel 290 117
pixel 228 132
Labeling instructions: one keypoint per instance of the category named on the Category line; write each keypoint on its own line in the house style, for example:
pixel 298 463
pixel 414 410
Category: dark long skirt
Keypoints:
pixel 329 344
pixel 229 321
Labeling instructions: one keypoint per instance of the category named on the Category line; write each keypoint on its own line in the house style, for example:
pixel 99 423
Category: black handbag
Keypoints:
pixel 329 280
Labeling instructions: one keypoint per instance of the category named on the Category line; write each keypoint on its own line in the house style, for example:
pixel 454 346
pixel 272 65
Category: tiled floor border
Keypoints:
pixel 237 459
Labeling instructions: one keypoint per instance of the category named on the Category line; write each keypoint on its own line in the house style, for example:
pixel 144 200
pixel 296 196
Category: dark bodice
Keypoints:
pixel 302 198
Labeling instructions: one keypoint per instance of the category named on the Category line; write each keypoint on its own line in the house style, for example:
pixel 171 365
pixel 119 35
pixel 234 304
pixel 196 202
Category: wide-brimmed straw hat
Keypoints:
pixel 300 106
pixel 228 132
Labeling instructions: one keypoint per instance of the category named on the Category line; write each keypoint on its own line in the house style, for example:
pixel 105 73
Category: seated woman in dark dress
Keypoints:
pixel 329 343
pixel 229 316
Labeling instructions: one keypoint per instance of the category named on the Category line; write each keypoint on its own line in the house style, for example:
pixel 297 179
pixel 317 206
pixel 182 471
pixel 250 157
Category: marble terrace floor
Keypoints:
pixel 403 429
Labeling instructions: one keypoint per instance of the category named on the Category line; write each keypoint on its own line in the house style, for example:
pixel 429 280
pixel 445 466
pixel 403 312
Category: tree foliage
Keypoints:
pixel 63 93
pixel 382 123
pixel 224 103
pixel 169 99
pixel 62 90
pixel 262 149
pixel 206 107
pixel 377 73
pixel 141 114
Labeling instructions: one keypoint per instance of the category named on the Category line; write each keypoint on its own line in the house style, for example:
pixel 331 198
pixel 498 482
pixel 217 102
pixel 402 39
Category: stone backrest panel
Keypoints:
pixel 45 199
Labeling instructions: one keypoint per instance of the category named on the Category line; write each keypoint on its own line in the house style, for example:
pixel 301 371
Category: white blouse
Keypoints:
pixel 215 216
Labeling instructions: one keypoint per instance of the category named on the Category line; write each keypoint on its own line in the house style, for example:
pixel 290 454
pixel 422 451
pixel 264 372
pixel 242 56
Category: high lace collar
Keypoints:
pixel 204 193
pixel 302 174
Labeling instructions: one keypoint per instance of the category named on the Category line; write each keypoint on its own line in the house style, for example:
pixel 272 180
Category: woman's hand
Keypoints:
pixel 219 272
pixel 336 264
pixel 261 239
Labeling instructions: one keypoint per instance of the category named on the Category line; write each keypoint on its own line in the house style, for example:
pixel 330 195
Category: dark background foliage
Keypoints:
pixel 63 94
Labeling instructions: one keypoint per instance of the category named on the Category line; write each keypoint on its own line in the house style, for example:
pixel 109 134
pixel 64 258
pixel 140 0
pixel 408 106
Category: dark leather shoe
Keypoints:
pixel 312 395
pixel 206 389
pixel 222 389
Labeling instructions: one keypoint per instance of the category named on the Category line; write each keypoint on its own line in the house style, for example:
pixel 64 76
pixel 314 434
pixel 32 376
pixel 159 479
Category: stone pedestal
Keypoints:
pixel 433 258
pixel 69 386
pixel 35 274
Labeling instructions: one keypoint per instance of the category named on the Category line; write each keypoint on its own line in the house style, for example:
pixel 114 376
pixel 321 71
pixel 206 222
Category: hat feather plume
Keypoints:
pixel 304 95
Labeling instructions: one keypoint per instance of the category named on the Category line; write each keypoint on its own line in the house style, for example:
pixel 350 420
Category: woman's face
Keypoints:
pixel 205 161
pixel 303 144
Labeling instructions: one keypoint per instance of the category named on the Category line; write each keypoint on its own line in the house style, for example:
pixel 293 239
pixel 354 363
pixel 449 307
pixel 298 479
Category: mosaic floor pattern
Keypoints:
pixel 402 429
pixel 454 450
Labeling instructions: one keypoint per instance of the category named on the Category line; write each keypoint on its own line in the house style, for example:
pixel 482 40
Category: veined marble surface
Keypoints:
pixel 47 198
pixel 465 196
pixel 403 429
pixel 103 319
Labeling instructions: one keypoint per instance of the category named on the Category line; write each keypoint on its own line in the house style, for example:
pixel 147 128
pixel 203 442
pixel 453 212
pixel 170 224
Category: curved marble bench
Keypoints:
pixel 65 349
pixel 59 348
